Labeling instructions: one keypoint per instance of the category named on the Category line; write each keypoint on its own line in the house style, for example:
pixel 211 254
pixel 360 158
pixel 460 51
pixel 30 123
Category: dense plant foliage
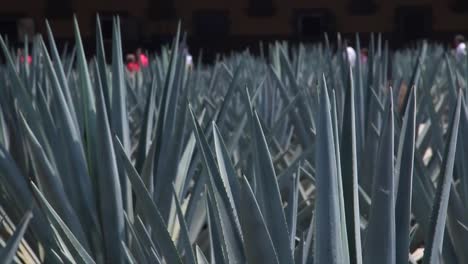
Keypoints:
pixel 291 157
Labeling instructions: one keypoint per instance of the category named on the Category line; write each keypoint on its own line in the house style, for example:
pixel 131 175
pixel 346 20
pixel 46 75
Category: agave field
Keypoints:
pixel 289 157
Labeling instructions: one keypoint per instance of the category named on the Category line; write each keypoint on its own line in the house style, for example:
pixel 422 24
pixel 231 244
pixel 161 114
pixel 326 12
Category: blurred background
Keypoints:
pixel 224 25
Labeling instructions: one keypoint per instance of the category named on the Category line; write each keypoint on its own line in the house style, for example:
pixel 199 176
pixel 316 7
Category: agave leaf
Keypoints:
pixel 78 184
pixel 268 194
pixel 452 88
pixel 380 232
pixel 218 248
pixel 110 190
pixel 435 233
pixel 360 96
pixel 183 168
pixel 349 172
pixel 220 114
pixel 63 250
pixel 128 255
pixel 284 114
pixel 303 132
pixel 225 207
pixel 144 236
pixel 70 62
pixel 51 185
pixel 226 169
pixel 17 187
pixel 161 180
pixel 19 91
pixel 136 246
pixel 257 241
pixel 60 72
pixel 462 153
pixel 146 128
pixel 56 258
pixel 456 219
pixel 3 130
pixel 233 248
pixel 184 239
pixel 404 169
pixel 201 259
pixel 415 77
pixel 88 99
pixel 328 244
pixel 7 254
pixel 101 64
pixel 119 116
pixel 150 210
pixel 87 106
pixel 59 224
pixel 291 209
pixel 175 127
pixel 148 168
pixel 344 232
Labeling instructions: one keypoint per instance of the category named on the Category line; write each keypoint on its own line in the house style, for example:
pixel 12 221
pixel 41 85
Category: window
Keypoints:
pixel 161 9
pixel 362 7
pixel 459 6
pixel 211 23
pixel 59 9
pixel 129 27
pixel 9 27
pixel 26 29
pixel 414 22
pixel 261 8
pixel 106 26
pixel 313 23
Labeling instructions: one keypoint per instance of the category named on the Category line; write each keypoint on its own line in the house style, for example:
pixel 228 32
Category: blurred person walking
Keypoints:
pixel 350 53
pixel 460 47
pixel 132 64
pixel 142 58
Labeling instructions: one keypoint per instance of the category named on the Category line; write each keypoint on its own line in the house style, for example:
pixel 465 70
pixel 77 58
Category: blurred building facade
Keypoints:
pixel 235 23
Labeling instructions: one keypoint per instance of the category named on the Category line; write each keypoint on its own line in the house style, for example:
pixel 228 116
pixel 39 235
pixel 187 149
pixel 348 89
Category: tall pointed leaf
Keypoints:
pixel 257 241
pixel 150 211
pixel 328 244
pixel 379 244
pixel 111 202
pixel 349 171
pixel 405 168
pixel 268 195
pixel 435 234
